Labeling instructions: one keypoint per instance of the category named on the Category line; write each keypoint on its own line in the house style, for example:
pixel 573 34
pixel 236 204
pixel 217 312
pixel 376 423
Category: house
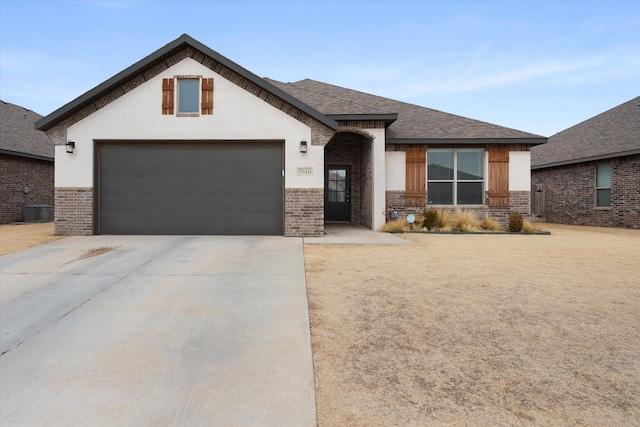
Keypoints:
pixel 590 173
pixel 186 141
pixel 26 165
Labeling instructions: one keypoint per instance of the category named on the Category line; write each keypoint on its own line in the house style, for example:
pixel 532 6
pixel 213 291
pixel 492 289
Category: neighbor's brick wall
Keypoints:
pixel 304 212
pixel 366 184
pixel 74 211
pixel 570 194
pixel 16 173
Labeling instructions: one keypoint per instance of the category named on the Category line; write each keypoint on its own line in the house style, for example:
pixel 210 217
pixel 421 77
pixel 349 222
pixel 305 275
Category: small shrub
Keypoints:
pixel 489 224
pixel 528 227
pixel 430 219
pixel 515 222
pixel 466 221
pixel 395 226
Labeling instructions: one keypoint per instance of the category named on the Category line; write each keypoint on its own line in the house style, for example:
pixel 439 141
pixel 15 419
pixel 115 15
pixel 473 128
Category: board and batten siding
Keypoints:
pixel 416 172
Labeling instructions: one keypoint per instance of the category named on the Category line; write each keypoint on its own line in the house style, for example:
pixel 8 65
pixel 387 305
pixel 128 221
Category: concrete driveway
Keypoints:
pixel 130 330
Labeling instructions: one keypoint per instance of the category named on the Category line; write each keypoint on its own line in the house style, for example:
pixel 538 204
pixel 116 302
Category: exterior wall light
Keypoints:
pixel 303 146
pixel 70 146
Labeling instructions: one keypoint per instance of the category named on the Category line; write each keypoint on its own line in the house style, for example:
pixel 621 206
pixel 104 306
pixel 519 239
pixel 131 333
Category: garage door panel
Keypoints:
pixel 191 188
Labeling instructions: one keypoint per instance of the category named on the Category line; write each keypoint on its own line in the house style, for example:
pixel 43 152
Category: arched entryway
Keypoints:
pixel 349 178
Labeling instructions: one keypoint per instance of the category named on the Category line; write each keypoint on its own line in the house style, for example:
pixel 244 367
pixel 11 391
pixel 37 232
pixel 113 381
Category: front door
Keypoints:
pixel 337 193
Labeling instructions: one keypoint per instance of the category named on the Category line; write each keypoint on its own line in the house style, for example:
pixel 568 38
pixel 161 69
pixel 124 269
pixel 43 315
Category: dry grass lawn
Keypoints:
pixel 485 330
pixel 15 237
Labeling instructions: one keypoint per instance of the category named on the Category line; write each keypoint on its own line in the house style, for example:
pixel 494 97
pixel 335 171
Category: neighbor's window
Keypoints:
pixel 455 176
pixel 188 96
pixel 603 185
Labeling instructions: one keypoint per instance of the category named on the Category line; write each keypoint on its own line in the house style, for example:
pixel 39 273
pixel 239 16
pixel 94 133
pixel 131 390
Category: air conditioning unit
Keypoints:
pixel 38 213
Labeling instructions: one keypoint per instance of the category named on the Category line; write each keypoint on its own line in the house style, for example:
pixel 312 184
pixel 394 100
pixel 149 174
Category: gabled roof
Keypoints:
pixel 182 42
pixel 414 124
pixel 18 137
pixel 614 133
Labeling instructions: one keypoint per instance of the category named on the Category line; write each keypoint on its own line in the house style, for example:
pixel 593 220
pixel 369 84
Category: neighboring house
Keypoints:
pixel 186 141
pixel 590 173
pixel 26 163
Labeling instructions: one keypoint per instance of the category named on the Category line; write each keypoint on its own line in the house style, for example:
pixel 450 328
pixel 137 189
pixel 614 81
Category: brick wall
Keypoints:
pixel 304 212
pixel 519 201
pixel 366 184
pixel 570 194
pixel 16 173
pixel 74 211
pixel 395 200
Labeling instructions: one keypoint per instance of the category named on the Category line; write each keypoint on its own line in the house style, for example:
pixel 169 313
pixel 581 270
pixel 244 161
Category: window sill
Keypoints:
pixel 602 208
pixel 455 206
pixel 188 115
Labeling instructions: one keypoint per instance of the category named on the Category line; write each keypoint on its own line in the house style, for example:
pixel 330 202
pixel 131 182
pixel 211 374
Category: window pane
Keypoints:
pixel 603 198
pixel 469 193
pixel 440 164
pixel 471 165
pixel 440 193
pixel 603 175
pixel 188 96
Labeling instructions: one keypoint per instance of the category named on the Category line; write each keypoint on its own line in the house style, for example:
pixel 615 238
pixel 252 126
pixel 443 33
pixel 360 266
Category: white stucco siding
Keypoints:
pixel 396 166
pixel 519 171
pixel 237 115
pixel 379 177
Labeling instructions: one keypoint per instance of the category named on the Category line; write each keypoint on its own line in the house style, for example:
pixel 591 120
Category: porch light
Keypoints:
pixel 70 146
pixel 303 146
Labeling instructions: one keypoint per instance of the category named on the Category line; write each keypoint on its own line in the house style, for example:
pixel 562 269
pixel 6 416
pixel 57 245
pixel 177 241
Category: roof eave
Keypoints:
pixel 466 141
pixel 26 155
pixel 587 159
pixel 155 58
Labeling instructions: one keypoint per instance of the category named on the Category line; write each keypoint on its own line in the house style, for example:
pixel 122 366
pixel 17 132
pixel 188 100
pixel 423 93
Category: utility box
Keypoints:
pixel 537 200
pixel 38 213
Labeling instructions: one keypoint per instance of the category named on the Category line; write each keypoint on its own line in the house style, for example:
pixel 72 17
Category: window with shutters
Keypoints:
pixel 192 94
pixel 455 176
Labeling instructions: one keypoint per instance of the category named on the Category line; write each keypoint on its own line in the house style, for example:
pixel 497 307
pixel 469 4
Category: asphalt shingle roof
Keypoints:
pixel 614 133
pixel 18 135
pixel 414 122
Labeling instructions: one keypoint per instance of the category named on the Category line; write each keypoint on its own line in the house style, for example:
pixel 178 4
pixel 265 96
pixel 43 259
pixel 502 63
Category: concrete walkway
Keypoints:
pixel 155 331
pixel 353 234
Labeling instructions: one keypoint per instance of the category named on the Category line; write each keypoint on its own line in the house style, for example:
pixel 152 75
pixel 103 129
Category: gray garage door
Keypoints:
pixel 190 188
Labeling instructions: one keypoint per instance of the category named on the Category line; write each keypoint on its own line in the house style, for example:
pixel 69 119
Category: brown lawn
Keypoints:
pixel 478 329
pixel 15 237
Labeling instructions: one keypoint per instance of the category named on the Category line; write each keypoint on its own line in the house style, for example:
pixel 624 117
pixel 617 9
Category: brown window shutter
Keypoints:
pixel 499 175
pixel 167 96
pixel 207 96
pixel 416 175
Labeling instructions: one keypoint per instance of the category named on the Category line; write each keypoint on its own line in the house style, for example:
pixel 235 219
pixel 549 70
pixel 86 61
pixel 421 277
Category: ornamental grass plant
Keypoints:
pixel 466 221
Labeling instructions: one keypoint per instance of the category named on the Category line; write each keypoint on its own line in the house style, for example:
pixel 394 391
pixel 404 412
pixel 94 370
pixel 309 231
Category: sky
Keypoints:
pixel 539 67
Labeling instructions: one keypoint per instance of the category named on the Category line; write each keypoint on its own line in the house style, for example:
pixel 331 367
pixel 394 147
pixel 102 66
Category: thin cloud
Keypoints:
pixel 477 77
